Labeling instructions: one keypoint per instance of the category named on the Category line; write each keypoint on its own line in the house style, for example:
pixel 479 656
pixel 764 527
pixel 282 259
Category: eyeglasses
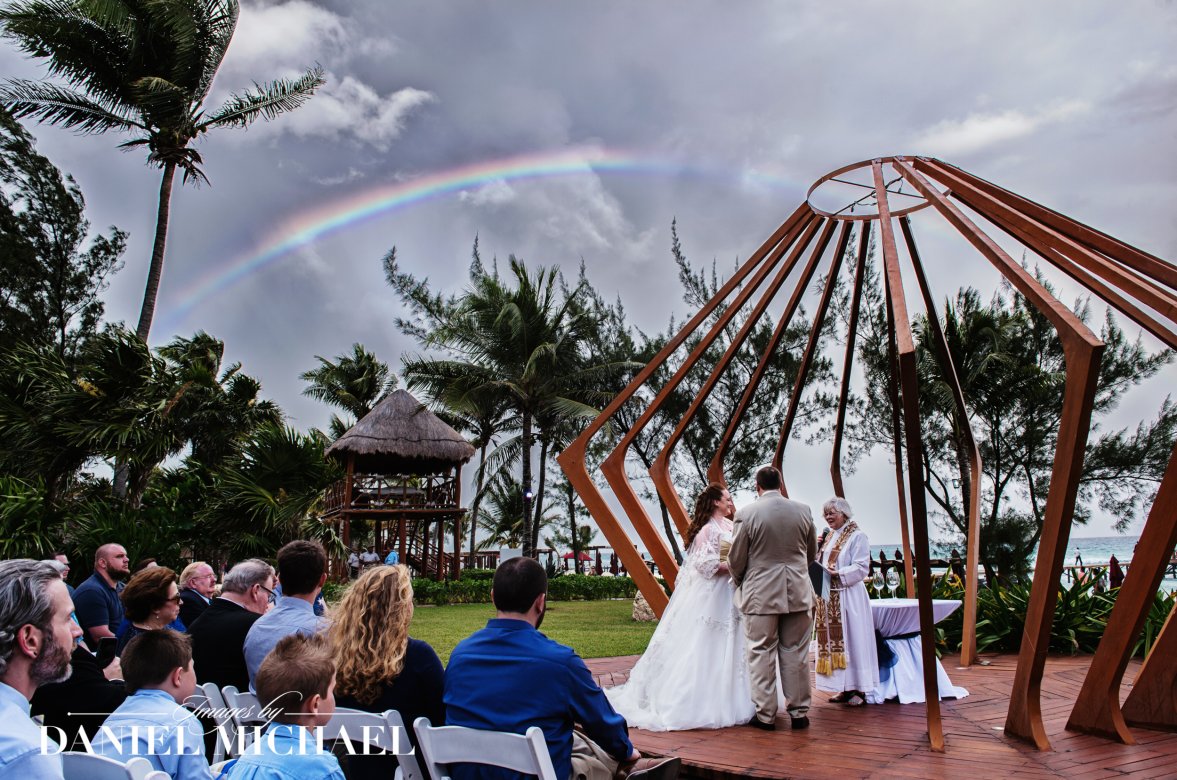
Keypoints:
pixel 273 597
pixel 176 599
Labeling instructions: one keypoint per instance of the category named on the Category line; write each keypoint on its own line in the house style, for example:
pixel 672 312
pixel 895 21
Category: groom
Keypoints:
pixel 772 544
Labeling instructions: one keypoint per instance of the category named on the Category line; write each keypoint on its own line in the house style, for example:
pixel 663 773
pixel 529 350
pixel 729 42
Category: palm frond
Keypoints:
pixel 54 104
pixel 265 100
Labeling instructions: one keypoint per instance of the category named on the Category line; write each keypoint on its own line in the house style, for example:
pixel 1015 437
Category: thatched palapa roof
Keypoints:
pixel 401 436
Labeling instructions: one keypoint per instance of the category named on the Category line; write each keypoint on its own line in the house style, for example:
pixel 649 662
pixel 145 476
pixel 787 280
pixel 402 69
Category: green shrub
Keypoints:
pixel 476 589
pixel 477 574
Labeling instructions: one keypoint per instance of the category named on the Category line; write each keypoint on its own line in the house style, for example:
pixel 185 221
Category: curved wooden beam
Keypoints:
pixel 573 459
pixel 968 644
pixel 660 469
pixel 909 380
pixel 1097 707
pixel 807 357
pixel 848 362
pixel 1082 351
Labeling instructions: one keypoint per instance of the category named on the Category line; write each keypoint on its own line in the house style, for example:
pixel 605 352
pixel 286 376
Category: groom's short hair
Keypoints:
pixel 768 478
pixel 518 582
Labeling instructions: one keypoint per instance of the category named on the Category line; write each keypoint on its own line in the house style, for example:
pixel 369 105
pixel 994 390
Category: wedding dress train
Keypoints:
pixel 694 673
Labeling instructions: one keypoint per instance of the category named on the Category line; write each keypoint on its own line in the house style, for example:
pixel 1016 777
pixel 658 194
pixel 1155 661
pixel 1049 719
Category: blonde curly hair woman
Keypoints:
pixel 378 665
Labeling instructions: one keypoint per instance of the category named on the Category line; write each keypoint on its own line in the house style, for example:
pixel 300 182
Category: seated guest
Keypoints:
pixel 151 600
pixel 218 636
pixel 302 570
pixel 78 705
pixel 508 677
pixel 379 667
pixel 97 599
pixel 37 634
pixel 298 681
pixel 151 724
pixel 197 585
pixel 63 559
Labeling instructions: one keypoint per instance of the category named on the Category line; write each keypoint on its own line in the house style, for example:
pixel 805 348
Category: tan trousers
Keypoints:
pixel 784 640
pixel 590 761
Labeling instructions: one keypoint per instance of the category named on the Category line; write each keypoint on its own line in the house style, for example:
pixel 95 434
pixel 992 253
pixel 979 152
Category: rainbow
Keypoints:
pixel 314 224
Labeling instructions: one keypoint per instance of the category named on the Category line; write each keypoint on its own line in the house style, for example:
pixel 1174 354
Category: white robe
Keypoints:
pixel 858 627
pixel 693 674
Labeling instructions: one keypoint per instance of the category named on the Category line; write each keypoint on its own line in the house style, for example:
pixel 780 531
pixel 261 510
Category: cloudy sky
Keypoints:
pixel 438 120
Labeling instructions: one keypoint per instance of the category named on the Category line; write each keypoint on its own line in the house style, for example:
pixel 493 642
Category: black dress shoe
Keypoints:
pixel 758 723
pixel 655 769
pixel 801 723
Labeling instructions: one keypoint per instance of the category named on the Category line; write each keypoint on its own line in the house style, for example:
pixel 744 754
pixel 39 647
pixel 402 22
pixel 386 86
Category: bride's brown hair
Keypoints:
pixel 704 509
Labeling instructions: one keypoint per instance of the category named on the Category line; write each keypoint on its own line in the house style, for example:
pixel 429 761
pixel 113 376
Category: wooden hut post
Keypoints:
pixel 456 564
pixel 351 471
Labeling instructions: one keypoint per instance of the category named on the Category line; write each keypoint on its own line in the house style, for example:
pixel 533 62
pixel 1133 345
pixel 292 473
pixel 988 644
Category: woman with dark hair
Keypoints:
pixel 151 600
pixel 378 665
pixel 693 674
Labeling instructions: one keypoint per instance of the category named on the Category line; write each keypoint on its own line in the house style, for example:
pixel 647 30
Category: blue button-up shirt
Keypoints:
pixel 509 676
pixel 149 724
pixel 286 752
pixel 289 616
pixel 21 753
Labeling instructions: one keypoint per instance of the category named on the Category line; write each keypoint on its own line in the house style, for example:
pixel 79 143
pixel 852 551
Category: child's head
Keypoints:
pixel 160 659
pixel 297 681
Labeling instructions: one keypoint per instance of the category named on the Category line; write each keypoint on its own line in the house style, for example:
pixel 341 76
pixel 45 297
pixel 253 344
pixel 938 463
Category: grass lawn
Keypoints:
pixel 595 629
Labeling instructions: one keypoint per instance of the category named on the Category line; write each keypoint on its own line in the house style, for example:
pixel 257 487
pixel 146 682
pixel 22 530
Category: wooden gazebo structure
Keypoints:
pixel 882 195
pixel 403 471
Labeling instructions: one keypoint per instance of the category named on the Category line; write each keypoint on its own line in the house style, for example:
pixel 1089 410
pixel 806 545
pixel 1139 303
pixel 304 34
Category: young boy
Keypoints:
pixel 297 682
pixel 159 675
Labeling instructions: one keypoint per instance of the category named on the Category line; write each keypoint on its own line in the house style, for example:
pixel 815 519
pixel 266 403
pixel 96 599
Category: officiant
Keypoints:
pixel 847 662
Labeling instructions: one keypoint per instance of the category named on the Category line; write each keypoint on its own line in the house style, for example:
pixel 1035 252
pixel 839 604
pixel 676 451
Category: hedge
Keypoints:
pixel 474 588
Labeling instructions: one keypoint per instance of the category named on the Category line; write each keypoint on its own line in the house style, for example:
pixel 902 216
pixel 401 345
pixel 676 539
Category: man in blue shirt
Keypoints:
pixel 509 676
pixel 151 724
pixel 37 636
pixel 97 599
pixel 302 570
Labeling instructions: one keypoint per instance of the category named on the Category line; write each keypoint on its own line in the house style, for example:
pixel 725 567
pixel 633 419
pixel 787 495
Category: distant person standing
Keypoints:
pixel 1115 572
pixel 393 557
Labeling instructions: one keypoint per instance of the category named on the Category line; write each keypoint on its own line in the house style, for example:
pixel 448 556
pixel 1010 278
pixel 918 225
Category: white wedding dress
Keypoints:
pixel 694 674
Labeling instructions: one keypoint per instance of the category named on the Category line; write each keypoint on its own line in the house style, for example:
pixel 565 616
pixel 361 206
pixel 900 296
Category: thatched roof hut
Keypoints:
pixel 401 436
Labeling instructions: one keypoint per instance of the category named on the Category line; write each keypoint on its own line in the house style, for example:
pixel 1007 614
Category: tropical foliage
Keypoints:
pixel 142 68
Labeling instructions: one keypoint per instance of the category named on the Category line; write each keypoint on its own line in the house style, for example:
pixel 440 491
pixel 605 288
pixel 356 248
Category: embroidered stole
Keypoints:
pixel 831 647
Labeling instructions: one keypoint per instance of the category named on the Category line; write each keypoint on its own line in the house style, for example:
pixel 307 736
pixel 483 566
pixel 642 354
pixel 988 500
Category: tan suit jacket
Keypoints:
pixel 772 544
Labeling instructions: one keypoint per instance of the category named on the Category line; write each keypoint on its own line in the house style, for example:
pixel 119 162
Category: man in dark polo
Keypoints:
pixel 96 601
pixel 218 635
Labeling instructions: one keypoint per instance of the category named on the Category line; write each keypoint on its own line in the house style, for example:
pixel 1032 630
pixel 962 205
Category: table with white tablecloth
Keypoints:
pixel 897 620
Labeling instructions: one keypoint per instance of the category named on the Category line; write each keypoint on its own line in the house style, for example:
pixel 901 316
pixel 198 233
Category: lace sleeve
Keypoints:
pixel 704 552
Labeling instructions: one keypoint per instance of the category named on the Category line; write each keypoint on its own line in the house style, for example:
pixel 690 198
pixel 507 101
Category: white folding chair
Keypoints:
pixel 445 745
pixel 87 766
pixel 209 698
pixel 381 728
pixel 245 714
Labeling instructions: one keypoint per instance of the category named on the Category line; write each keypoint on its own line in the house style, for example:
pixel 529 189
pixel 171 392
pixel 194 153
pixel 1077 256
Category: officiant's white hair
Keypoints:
pixel 838 504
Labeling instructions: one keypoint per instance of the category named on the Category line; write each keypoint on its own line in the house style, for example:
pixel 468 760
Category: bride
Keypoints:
pixel 693 674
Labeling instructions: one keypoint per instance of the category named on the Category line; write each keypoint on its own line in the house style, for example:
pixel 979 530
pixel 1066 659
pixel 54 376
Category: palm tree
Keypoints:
pixel 525 343
pixel 143 67
pixel 354 383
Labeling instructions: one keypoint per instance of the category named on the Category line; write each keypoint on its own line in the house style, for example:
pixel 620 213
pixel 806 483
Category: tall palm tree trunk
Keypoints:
pixel 477 499
pixel 161 236
pixel 528 441
pixel 571 495
pixel 538 511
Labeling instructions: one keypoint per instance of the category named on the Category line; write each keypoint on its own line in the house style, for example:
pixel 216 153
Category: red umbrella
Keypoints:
pixel 583 556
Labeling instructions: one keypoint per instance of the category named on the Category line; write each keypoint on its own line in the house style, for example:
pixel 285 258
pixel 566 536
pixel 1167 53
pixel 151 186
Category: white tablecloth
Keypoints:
pixel 895 617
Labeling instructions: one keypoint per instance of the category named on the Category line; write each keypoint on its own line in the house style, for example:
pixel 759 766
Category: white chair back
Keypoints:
pixel 87 766
pixel 445 745
pixel 245 714
pixel 381 728
pixel 209 698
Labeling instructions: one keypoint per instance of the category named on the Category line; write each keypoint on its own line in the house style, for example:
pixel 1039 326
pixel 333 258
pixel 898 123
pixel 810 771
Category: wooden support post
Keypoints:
pixel 1150 703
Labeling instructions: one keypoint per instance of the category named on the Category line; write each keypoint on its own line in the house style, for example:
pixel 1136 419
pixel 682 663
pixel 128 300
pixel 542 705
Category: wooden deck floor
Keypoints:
pixel 890 740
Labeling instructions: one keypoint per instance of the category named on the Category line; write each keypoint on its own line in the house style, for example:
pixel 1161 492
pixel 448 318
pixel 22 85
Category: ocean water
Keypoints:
pixel 1087 551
